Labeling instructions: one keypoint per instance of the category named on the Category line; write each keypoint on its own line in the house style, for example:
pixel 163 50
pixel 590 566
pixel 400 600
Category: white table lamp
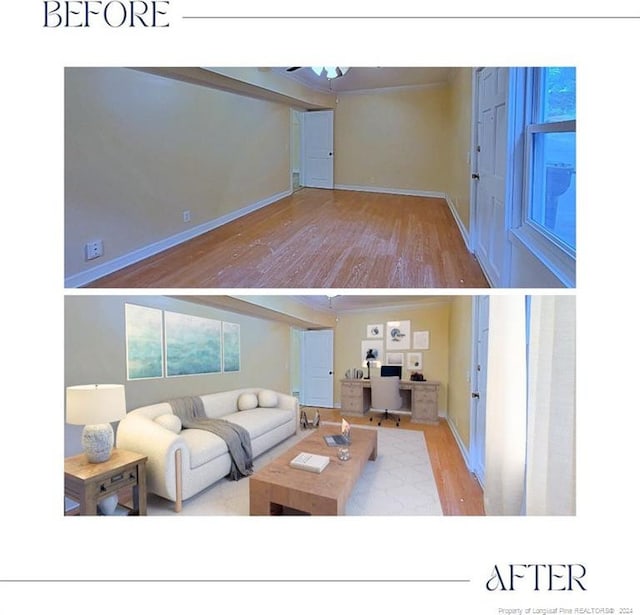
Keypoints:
pixel 95 406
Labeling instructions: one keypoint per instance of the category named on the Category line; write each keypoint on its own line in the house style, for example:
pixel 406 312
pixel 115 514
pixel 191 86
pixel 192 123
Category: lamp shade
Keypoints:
pixel 92 404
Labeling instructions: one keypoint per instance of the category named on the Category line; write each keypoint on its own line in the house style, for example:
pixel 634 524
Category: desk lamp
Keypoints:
pixel 370 360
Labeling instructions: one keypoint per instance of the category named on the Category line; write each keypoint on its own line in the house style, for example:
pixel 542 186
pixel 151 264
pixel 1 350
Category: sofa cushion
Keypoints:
pixel 267 399
pixel 170 422
pixel 259 420
pixel 203 446
pixel 247 401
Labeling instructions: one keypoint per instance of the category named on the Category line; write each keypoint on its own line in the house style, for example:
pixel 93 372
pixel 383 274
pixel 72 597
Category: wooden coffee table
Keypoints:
pixel 278 488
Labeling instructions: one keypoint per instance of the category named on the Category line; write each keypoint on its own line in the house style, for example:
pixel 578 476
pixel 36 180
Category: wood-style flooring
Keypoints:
pixel 319 239
pixel 459 491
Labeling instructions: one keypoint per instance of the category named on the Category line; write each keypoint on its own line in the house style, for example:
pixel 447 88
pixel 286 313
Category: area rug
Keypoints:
pixel 399 482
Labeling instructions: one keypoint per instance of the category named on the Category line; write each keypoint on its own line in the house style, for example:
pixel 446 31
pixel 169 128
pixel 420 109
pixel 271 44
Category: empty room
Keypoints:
pixel 350 178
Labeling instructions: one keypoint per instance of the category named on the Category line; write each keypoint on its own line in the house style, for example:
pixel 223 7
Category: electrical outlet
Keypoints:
pixel 186 216
pixel 93 249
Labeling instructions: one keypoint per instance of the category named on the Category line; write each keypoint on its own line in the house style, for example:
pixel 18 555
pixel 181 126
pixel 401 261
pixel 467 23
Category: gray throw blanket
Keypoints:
pixel 190 410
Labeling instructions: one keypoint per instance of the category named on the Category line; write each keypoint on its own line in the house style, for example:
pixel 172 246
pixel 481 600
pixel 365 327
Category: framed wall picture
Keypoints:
pixel 193 344
pixel 395 358
pixel 420 340
pixel 398 335
pixel 376 347
pixel 230 347
pixel 375 331
pixel 145 348
pixel 414 360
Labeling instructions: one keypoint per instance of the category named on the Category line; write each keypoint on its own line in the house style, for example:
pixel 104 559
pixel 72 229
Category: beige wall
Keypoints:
pixel 460 134
pixel 460 332
pixel 351 330
pixel 396 138
pixel 95 352
pixel 140 149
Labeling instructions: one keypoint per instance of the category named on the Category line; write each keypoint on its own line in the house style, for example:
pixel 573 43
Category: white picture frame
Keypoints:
pixel 375 331
pixel 375 345
pixel 398 335
pixel 421 340
pixel 414 360
pixel 395 358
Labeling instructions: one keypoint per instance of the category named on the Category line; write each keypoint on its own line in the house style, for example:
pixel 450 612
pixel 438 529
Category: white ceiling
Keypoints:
pixel 370 78
pixel 331 307
pixel 347 303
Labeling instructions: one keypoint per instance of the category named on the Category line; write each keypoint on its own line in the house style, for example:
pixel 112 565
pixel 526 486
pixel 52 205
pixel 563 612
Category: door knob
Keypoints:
pixel 475 395
pixel 475 176
pixel 330 153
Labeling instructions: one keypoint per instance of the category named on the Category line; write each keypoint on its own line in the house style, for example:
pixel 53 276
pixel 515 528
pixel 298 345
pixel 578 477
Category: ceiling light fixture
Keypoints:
pixel 330 72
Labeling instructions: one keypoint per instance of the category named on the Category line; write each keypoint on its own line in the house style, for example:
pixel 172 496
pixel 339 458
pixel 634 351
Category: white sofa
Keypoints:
pixel 183 462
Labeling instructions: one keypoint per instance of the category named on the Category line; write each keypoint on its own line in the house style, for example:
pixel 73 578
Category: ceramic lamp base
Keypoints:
pixel 97 442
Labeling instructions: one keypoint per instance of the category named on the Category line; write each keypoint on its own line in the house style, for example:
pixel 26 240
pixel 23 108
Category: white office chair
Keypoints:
pixel 385 396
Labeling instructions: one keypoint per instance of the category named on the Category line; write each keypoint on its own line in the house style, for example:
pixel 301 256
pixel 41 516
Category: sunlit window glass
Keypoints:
pixel 553 155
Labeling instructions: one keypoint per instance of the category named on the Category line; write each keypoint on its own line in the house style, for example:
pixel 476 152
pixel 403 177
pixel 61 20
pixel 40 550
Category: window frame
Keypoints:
pixel 554 253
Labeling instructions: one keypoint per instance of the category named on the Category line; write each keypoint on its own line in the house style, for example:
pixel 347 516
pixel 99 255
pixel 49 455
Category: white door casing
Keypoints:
pixel 479 386
pixel 317 368
pixel 490 223
pixel 317 149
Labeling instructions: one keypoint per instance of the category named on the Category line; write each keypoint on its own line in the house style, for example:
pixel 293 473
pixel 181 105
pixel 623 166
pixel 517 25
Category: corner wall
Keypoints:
pixel 460 108
pixel 394 138
pixel 460 335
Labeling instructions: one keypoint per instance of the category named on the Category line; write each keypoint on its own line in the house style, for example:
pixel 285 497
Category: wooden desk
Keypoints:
pixel 87 483
pixel 420 398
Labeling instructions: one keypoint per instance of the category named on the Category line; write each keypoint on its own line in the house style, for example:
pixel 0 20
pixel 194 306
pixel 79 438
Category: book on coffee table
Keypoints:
pixel 309 462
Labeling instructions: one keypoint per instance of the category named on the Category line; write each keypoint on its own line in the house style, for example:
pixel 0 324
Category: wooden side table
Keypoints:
pixel 87 483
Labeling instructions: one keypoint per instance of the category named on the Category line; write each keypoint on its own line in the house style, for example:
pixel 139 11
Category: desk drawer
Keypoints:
pixel 425 397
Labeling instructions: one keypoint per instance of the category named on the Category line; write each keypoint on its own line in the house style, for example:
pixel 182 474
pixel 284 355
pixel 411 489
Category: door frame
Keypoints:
pixel 292 113
pixel 476 465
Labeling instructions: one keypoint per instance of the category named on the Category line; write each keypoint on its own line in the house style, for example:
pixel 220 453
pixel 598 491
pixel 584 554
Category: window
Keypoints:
pixel 545 219
pixel 551 143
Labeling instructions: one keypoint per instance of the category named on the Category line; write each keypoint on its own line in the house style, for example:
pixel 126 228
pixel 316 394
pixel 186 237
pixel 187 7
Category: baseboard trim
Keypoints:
pixel 90 275
pixel 399 191
pixel 461 227
pixel 463 449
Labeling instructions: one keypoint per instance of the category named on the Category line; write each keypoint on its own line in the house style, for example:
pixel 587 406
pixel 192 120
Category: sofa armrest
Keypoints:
pixel 143 435
pixel 289 402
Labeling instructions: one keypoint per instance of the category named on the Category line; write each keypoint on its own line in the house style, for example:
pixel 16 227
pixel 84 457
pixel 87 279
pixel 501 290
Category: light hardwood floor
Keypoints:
pixel 459 491
pixel 319 239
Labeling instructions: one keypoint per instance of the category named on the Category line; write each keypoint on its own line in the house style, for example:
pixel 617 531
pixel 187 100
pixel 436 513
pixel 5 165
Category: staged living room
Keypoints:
pixel 410 404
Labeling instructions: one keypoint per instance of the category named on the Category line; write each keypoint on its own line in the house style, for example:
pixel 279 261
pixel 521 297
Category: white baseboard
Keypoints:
pixel 90 275
pixel 461 227
pixel 383 190
pixel 461 446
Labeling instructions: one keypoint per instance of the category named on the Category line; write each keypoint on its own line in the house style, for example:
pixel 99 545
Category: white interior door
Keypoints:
pixel 479 386
pixel 491 169
pixel 317 368
pixel 317 149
